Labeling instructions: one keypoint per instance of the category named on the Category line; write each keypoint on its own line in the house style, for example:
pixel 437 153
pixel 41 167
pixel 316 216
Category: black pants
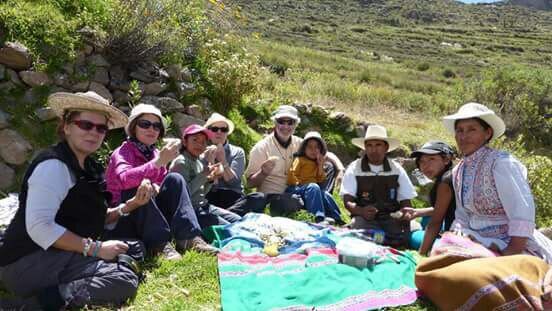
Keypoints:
pixel 237 202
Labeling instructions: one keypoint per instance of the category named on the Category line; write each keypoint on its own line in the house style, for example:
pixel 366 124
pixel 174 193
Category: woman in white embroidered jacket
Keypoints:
pixel 494 202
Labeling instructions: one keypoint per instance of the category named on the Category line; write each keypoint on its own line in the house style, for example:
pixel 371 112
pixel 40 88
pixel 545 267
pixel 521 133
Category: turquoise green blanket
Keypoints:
pixel 309 277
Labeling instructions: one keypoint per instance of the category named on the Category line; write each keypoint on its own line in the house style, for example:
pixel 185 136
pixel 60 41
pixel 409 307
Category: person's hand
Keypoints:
pixel 220 154
pixel 210 154
pixel 369 212
pixel 409 213
pixel 215 171
pixel 144 193
pixel 320 160
pixel 156 189
pixel 268 166
pixel 109 250
pixel 169 152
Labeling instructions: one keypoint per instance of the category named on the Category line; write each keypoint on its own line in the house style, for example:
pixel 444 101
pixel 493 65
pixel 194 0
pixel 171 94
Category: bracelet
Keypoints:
pixel 120 210
pixel 97 249
pixel 87 245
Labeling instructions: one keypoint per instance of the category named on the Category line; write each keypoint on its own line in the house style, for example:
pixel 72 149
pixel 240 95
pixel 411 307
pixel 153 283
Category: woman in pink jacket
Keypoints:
pixel 169 212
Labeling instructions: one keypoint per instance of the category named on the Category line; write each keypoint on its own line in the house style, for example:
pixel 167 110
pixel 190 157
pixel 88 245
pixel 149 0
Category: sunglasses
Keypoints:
pixel 216 129
pixel 87 126
pixel 285 121
pixel 145 124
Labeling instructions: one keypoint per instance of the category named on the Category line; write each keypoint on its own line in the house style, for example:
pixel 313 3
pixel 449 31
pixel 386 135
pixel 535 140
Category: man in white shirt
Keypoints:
pixel 374 188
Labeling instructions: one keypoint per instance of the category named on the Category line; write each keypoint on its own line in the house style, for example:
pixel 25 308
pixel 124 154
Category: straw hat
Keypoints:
pixel 61 102
pixel 376 132
pixel 141 109
pixel 475 110
pixel 217 117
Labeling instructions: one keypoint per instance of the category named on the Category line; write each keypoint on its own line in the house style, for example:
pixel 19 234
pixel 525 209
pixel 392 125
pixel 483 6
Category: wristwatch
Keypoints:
pixel 120 210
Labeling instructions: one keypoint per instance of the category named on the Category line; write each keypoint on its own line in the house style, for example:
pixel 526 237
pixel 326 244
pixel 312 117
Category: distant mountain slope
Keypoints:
pixel 437 31
pixel 536 4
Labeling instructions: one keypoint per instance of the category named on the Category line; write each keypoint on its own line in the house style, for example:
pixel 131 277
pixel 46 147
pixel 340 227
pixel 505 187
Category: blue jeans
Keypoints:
pixel 169 214
pixel 318 202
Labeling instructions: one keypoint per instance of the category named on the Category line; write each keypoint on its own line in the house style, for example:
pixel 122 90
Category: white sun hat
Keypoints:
pixel 61 102
pixel 286 111
pixel 476 110
pixel 141 109
pixel 376 132
pixel 217 117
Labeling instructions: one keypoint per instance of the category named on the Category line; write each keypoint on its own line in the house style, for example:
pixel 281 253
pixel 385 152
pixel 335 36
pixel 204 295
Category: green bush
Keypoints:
pixel 422 66
pixel 229 70
pixel 449 73
pixel 522 97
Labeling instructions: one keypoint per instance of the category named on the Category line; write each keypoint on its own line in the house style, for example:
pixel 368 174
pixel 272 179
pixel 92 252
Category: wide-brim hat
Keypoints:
pixel 318 137
pixel 61 102
pixel 376 132
pixel 194 129
pixel 433 147
pixel 286 111
pixel 476 110
pixel 217 117
pixel 141 109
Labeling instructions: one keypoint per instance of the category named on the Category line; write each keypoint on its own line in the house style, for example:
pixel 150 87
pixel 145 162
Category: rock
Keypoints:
pixel 31 97
pixel 33 78
pixel 145 72
pixel 205 103
pixel 62 80
pixel 81 86
pixel 185 89
pixel 153 88
pixel 101 76
pixel 118 79
pixel 186 75
pixel 301 108
pixel 15 56
pixel 171 95
pixel 69 68
pixel 320 111
pixel 183 120
pixel 80 60
pixel 547 232
pixel 360 130
pixel 163 75
pixel 7 86
pixel 45 114
pixel 100 90
pixel 97 60
pixel 14 149
pixel 2 72
pixel 195 111
pixel 88 49
pixel 14 77
pixel 341 119
pixel 120 97
pixel 165 104
pixel 7 176
pixel 174 72
pixel 4 119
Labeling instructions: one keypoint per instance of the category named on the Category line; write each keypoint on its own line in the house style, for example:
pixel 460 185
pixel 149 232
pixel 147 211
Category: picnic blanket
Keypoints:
pixel 306 274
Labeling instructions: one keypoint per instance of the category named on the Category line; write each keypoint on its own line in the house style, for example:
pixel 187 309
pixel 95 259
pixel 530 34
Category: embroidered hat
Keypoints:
pixel 141 109
pixel 194 129
pixel 62 102
pixel 433 147
pixel 286 111
pixel 475 110
pixel 217 117
pixel 376 132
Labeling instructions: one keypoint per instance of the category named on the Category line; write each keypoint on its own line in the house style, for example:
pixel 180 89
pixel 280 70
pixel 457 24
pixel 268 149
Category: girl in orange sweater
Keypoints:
pixel 304 176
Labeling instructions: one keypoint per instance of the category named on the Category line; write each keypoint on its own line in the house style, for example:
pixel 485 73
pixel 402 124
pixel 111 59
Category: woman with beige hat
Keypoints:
pixel 168 212
pixel 51 251
pixel 228 192
pixel 494 202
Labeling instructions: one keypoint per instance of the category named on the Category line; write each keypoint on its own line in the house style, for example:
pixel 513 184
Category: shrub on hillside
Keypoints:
pixel 449 73
pixel 522 97
pixel 422 66
pixel 229 70
pixel 153 30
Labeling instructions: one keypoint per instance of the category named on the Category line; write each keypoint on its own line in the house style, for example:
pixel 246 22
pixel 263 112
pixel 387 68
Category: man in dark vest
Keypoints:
pixel 375 188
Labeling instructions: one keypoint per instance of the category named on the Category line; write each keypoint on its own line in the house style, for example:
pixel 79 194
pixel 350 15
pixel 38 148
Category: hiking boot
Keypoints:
pixel 167 251
pixel 197 244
